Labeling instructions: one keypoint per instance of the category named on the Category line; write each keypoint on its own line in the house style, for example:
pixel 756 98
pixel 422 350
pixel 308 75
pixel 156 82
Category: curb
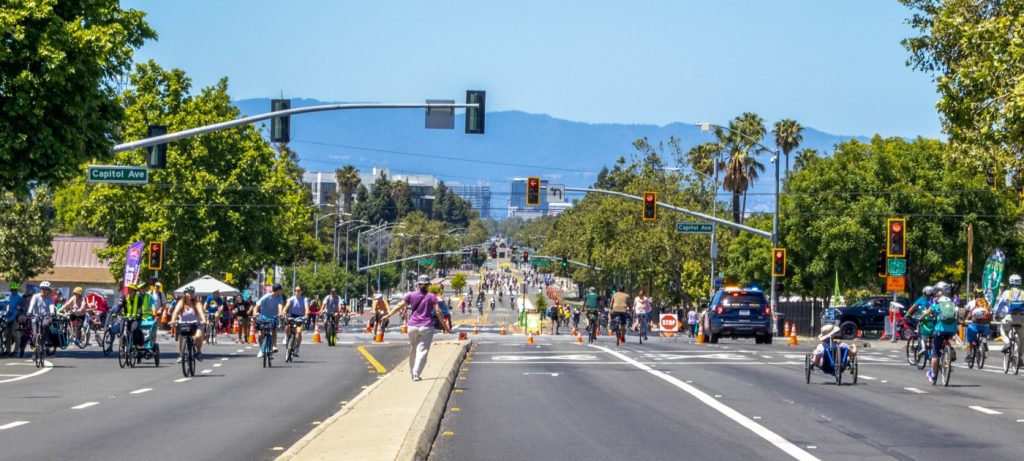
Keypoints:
pixel 421 435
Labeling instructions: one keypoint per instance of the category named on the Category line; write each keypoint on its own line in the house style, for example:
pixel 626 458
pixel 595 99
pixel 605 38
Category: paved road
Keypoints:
pixel 671 399
pixel 87 408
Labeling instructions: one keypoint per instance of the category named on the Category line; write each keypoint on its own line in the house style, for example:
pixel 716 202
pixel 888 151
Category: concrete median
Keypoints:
pixel 393 419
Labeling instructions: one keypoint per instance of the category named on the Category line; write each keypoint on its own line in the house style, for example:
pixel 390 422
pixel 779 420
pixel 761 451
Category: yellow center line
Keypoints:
pixel 369 358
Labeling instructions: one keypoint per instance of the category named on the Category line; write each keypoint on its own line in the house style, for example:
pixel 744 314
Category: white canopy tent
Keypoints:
pixel 206 285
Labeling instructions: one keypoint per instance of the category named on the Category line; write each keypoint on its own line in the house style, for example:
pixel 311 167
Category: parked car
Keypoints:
pixel 868 314
pixel 737 312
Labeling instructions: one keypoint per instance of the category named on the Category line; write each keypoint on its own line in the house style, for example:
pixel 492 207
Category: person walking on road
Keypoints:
pixel 691 322
pixel 421 323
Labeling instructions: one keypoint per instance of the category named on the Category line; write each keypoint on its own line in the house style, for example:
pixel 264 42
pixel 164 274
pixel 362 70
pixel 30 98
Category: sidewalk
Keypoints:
pixel 393 419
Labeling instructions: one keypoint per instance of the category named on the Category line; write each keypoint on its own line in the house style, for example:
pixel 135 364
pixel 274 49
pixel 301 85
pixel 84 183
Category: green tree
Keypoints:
pixel 59 62
pixel 225 203
pixel 973 50
pixel 804 158
pixel 459 282
pixel 740 165
pixel 25 224
pixel 788 135
pixel 348 180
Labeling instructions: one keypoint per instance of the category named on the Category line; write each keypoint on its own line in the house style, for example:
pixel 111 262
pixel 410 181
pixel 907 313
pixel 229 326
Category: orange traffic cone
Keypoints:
pixel 405 328
pixel 476 329
pixel 529 338
pixel 609 332
pixel 379 337
pixel 792 336
pixel 316 333
pixel 785 332
pixel 369 329
pixel 252 332
pixel 579 339
pixel 234 328
pixel 575 331
pixel 700 333
pixel 463 336
pixel 502 331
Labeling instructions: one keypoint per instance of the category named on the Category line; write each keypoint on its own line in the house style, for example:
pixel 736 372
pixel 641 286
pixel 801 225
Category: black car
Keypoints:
pixel 868 314
pixel 736 313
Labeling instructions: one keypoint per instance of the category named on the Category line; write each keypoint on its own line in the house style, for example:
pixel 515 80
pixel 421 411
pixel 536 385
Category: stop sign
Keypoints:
pixel 669 322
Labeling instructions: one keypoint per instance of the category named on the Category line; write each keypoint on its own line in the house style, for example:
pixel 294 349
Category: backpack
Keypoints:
pixel 947 311
pixel 981 310
pixel 1017 304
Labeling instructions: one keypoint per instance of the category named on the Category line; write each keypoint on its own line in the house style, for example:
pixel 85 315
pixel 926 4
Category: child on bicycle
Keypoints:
pixel 980 318
pixel 828 331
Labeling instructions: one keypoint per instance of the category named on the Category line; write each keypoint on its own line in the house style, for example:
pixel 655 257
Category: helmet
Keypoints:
pixel 1015 280
pixel 77 290
pixel 928 290
pixel 46 285
pixel 190 289
pixel 277 287
pixel 942 288
pixel 423 280
pixel 591 289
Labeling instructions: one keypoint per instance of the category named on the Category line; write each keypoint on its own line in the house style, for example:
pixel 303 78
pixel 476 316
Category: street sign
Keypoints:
pixel 897 267
pixel 694 228
pixel 427 261
pixel 556 193
pixel 441 118
pixel 540 262
pixel 718 282
pixel 229 277
pixel 669 322
pixel 895 283
pixel 117 174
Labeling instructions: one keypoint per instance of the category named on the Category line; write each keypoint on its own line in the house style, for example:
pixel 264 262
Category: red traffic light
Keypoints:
pixel 897 226
pixel 532 191
pixel 779 254
pixel 650 212
pixel 779 262
pixel 156 256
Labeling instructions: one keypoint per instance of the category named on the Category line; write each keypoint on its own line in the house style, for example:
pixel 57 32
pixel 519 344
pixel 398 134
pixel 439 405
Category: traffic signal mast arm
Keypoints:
pixel 684 211
pixel 255 118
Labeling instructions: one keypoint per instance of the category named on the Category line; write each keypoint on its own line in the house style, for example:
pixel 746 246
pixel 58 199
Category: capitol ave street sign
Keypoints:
pixel 694 228
pixel 116 174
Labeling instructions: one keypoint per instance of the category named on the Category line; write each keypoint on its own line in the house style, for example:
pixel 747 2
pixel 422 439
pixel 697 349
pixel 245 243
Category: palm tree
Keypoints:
pixel 804 158
pixel 787 137
pixel 348 180
pixel 748 130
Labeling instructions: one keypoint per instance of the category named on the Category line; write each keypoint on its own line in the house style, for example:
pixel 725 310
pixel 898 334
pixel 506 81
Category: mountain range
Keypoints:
pixel 516 144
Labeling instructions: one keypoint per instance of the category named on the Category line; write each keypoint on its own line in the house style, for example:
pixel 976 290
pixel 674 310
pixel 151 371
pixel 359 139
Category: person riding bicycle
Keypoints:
pixel 13 314
pixel 332 306
pixel 297 308
pixel 945 314
pixel 620 308
pixel 1011 307
pixel 592 302
pixel 925 325
pixel 827 332
pixel 41 309
pixel 75 309
pixel 268 308
pixel 188 311
pixel 138 314
pixel 642 308
pixel 380 311
pixel 980 317
pixel 214 309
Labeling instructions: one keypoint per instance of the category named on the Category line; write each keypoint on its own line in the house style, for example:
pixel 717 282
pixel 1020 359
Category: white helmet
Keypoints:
pixel 46 285
pixel 943 288
pixel 1015 280
pixel 928 290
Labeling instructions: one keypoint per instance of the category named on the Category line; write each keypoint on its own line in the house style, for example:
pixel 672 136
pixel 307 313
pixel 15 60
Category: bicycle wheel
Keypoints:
pixel 854 369
pixel 981 355
pixel 837 365
pixel 82 341
pixel 922 354
pixel 289 347
pixel 122 353
pixel 947 365
pixel 911 351
pixel 1017 358
pixel 807 367
pixel 268 349
pixel 186 356
pixel 38 353
pixel 107 343
pixel 1008 357
pixel 156 355
pixel 970 358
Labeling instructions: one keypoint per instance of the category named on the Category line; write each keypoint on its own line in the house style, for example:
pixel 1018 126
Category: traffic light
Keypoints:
pixel 880 266
pixel 156 256
pixel 474 253
pixel 990 178
pixel 157 155
pixel 779 262
pixel 526 256
pixel 650 206
pixel 565 262
pixel 896 238
pixel 475 115
pixel 280 127
pixel 532 191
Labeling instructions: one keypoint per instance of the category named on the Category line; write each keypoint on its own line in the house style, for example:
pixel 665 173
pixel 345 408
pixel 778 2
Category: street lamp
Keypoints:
pixel 776 155
pixel 316 232
pixel 337 260
pixel 714 208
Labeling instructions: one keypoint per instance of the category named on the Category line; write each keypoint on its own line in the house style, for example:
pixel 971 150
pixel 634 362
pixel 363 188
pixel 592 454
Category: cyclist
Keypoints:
pixel 14 314
pixel 620 307
pixel 41 309
pixel 925 325
pixel 380 312
pixel 945 314
pixel 827 332
pixel 214 309
pixel 642 308
pixel 978 312
pixel 332 307
pixel 592 302
pixel 75 309
pixel 156 292
pixel 268 308
pixel 576 318
pixel 186 311
pixel 137 307
pixel 241 313
pixel 297 308
pixel 492 303
pixel 1011 307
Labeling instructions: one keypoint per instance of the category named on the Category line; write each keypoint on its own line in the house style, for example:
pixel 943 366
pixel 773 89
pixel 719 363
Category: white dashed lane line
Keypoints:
pixel 867 378
pixel 206 371
pixel 140 391
pixel 181 380
pixel 915 390
pixel 216 365
pixel 14 424
pixel 987 411
pixel 84 405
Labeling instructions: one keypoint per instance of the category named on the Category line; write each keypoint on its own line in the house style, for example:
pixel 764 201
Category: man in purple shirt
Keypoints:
pixel 421 323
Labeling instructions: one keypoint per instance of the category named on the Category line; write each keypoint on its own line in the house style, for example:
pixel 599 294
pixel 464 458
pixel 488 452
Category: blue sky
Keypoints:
pixel 835 65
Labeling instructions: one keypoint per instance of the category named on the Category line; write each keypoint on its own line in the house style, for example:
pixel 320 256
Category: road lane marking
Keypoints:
pixel 224 359
pixel 915 390
pixel 47 366
pixel 206 371
pixel 544 374
pixel 217 365
pixel 369 358
pixel 181 380
pixel 84 405
pixel 987 411
pixel 14 424
pixel 763 432
pixel 868 378
pixel 140 391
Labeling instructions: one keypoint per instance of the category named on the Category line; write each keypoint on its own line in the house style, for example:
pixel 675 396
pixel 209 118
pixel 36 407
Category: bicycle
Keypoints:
pixel 642 326
pixel 187 331
pixel 38 342
pixel 291 326
pixel 211 328
pixel 979 348
pixel 331 330
pixel 945 363
pixel 266 329
pixel 834 362
pixel 1012 354
pixel 592 328
pixel 109 333
pixel 620 332
pixel 125 355
pixel 913 343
